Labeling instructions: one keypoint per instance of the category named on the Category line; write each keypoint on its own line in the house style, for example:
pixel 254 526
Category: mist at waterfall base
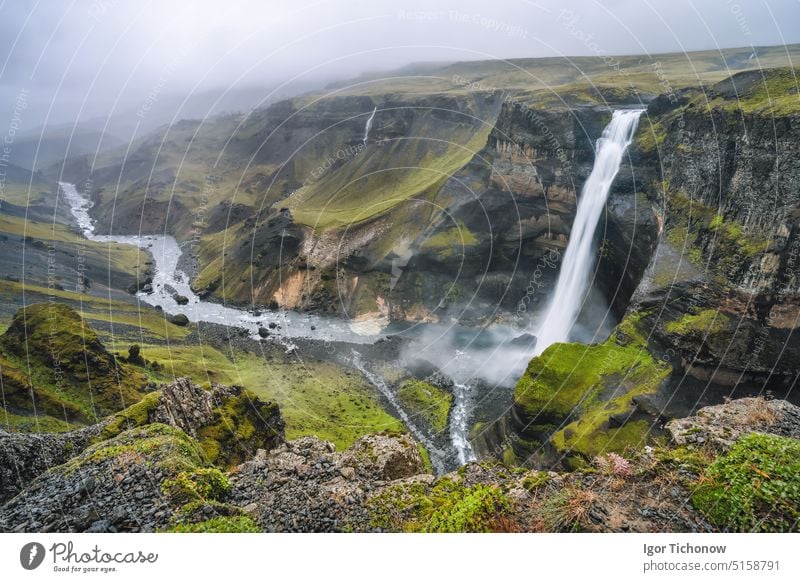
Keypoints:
pixel 574 278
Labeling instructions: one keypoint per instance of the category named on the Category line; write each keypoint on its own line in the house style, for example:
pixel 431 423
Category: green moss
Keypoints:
pixel 426 458
pixel 136 415
pixel 447 507
pixel 427 402
pixel 237 524
pixel 566 376
pixel 156 445
pixel 691 459
pixel 691 225
pixel 470 509
pixel 534 480
pixel 591 383
pixel 241 424
pixel 206 484
pixel 706 321
pixel 651 138
pixel 509 457
pixel 753 487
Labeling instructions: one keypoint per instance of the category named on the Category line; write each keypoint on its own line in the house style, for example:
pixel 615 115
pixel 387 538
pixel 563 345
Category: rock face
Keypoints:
pixel 384 458
pixel 112 486
pixel 24 456
pixel 228 422
pixel 720 426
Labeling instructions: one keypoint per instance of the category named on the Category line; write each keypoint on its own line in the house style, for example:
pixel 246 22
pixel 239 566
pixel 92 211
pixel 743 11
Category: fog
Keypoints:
pixel 84 60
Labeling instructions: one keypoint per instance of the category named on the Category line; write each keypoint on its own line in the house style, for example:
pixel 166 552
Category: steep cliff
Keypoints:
pixel 718 301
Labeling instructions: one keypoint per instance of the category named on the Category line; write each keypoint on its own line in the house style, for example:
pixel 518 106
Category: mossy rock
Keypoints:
pixel 585 386
pixel 203 484
pixel 704 321
pixel 56 365
pixel 753 487
pixel 135 415
pixel 242 424
pixel 426 401
pixel 156 445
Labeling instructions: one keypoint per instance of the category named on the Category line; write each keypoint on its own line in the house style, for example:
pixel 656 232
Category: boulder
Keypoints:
pixel 179 319
pixel 385 457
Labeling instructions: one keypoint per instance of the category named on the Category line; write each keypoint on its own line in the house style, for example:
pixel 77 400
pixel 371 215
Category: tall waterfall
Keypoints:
pixel 573 279
pixel 369 125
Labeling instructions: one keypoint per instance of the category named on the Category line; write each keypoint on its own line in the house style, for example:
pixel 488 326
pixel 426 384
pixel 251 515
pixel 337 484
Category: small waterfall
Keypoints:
pixel 459 424
pixel 437 455
pixel 573 279
pixel 368 126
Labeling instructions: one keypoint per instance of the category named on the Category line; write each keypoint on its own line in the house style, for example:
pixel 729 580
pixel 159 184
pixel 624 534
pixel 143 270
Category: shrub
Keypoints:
pixel 753 487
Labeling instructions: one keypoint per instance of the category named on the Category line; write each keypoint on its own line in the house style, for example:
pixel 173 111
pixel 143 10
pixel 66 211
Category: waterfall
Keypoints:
pixel 369 125
pixel 459 424
pixel 437 455
pixel 573 279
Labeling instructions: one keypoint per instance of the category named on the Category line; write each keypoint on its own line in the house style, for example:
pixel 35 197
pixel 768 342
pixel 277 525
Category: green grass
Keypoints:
pixel 137 321
pixel 117 256
pixel 427 402
pixel 316 398
pixel 55 364
pixel 773 93
pixel 753 487
pixel 365 187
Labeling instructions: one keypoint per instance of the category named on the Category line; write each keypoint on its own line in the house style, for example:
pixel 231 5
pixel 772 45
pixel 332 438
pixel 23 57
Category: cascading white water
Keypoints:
pixel 459 424
pixel 368 126
pixel 573 279
pixel 437 455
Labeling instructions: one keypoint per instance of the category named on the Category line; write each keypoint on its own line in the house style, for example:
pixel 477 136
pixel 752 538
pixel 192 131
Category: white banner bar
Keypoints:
pixel 389 557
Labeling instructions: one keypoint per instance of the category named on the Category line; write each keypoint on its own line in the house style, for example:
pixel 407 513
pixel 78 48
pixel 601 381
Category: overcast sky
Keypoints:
pixel 93 57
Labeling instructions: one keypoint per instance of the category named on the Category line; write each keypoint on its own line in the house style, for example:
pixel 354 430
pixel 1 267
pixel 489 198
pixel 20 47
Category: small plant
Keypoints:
pixel 614 465
pixel 568 509
pixel 754 487
pixel 200 484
